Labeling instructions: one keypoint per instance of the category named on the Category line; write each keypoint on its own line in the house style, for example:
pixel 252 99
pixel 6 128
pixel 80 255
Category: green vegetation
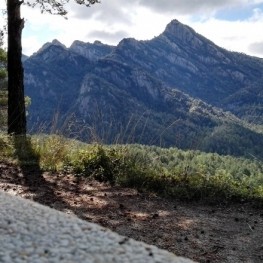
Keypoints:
pixel 188 175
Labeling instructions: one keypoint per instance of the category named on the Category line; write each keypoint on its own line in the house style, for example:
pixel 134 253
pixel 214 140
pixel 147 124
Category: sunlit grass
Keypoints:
pixel 188 175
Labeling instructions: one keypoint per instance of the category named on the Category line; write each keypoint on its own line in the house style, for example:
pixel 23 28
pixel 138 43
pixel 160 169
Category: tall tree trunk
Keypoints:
pixel 16 100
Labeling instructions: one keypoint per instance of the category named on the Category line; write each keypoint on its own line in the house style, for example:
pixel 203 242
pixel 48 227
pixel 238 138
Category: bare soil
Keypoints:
pixel 204 233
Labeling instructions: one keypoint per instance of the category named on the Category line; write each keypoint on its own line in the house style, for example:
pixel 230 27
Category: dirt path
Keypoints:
pixel 204 233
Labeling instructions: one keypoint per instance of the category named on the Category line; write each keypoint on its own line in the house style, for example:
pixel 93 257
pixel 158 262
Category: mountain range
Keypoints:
pixel 177 89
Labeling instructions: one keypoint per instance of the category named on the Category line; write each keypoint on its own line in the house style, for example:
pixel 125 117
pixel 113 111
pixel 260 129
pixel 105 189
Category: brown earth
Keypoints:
pixel 205 233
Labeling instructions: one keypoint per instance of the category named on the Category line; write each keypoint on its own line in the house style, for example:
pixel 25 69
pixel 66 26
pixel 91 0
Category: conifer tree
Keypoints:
pixel 15 25
pixel 3 90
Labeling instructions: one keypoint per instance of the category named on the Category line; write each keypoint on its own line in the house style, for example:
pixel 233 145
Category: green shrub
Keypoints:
pixel 102 163
pixel 188 175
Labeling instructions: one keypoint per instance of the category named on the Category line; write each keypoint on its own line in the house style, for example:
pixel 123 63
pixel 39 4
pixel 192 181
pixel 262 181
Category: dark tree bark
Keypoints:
pixel 16 100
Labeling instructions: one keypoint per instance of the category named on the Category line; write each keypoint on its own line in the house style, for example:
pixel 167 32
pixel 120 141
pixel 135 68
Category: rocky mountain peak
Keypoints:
pixel 97 42
pixel 50 51
pixel 92 51
pixel 179 32
pixel 77 43
pixel 127 40
pixel 54 42
pixel 57 43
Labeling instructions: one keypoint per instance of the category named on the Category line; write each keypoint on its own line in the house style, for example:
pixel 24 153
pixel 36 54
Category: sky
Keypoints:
pixel 236 25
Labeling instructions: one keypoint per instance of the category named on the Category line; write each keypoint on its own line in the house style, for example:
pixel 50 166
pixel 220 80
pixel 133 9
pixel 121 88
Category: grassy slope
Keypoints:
pixel 190 175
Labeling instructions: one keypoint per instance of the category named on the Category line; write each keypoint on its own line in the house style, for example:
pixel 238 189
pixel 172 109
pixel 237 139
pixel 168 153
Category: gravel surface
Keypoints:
pixel 205 233
pixel 30 232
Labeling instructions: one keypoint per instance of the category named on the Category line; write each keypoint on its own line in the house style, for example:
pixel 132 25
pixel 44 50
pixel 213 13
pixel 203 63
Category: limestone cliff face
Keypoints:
pixel 90 51
pixel 183 33
pixel 184 59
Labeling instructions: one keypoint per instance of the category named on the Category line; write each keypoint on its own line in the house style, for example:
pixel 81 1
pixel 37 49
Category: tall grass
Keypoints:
pixel 188 175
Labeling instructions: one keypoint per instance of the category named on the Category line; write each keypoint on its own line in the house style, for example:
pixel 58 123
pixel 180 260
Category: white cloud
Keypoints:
pixel 184 7
pixel 234 35
pixel 110 12
pixel 30 42
pixel 113 20
pixel 109 36
pixel 256 47
pixel 191 7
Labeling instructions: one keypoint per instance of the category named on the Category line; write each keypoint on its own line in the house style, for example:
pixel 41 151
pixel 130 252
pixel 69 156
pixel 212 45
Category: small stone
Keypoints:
pixel 123 241
pixel 155 215
pixel 121 206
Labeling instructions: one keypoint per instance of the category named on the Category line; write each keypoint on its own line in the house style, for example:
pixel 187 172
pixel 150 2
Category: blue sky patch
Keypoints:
pixel 237 13
pixel 41 33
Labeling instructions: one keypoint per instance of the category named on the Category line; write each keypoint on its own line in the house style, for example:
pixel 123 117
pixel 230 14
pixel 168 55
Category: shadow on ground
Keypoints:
pixel 31 174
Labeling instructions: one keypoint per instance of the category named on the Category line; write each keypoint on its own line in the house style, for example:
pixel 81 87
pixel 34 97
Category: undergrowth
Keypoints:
pixel 188 175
